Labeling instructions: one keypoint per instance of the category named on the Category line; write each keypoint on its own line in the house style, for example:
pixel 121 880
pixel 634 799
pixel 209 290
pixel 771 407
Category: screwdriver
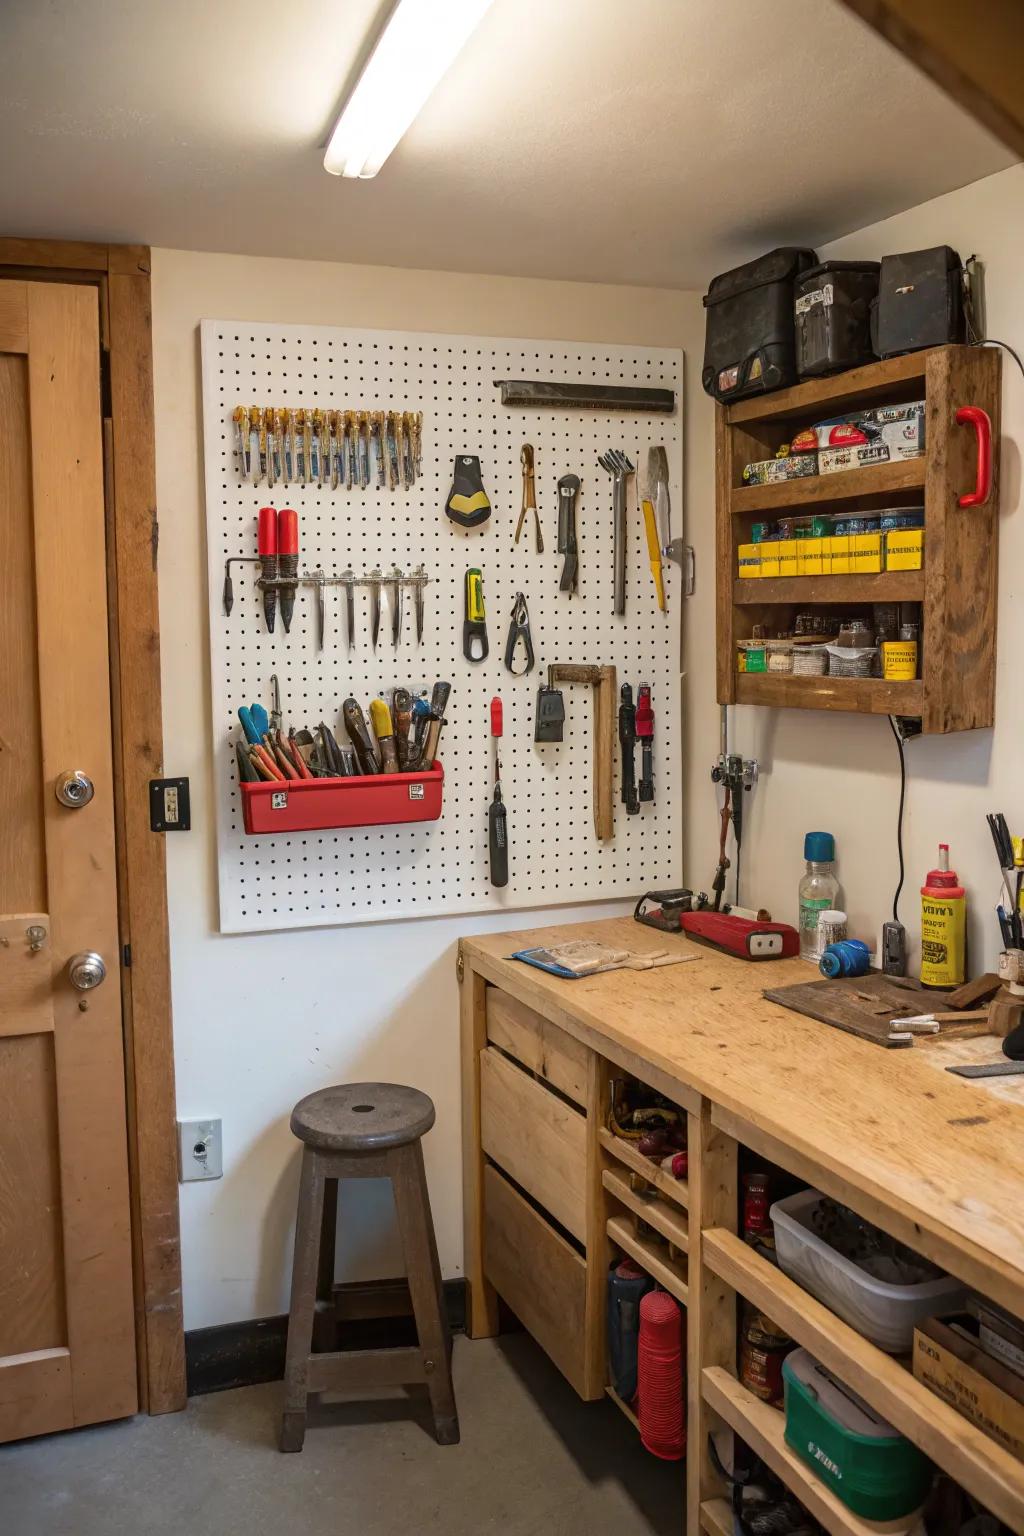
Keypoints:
pixel 645 735
pixel 497 817
pixel 288 561
pixel 266 544
pixel 380 717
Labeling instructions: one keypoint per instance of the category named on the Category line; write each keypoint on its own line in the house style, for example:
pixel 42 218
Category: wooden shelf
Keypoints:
pixel 623 1407
pixel 649 1256
pixel 858 695
pixel 874 483
pixel 716 1518
pixel 879 587
pixel 970 1456
pixel 673 1189
pixel 656 1212
pixel 820 398
pixel 762 1427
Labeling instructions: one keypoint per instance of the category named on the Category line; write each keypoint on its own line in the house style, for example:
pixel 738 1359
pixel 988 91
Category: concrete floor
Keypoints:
pixel 534 1461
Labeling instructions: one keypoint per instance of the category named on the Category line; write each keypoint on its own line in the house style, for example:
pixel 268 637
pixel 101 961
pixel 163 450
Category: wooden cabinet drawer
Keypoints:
pixel 539 1275
pixel 543 1047
pixel 537 1138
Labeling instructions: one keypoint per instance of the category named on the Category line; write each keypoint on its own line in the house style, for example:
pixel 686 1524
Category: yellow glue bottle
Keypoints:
pixel 943 925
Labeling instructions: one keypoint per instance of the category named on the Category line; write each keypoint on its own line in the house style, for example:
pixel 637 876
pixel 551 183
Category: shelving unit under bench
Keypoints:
pixel 935 1160
pixel 957 585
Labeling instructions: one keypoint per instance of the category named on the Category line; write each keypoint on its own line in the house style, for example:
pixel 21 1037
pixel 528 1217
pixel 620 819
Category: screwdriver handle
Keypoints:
pixel 497 716
pixel 497 840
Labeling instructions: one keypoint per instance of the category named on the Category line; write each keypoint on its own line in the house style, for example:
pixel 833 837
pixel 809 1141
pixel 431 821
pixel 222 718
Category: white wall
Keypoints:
pixel 260 1020
pixel 840 772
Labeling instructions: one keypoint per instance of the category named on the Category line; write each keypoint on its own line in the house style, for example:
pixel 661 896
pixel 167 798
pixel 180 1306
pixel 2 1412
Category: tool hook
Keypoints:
pixel 519 629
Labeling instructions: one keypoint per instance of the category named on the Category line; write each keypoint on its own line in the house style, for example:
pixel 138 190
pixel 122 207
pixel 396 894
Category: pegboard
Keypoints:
pixel 376 873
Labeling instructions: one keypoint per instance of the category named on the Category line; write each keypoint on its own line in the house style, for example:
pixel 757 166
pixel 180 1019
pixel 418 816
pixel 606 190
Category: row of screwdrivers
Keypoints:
pixel 335 448
pixel 405 735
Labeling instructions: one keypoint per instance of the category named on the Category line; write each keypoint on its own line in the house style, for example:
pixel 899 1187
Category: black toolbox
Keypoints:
pixel 920 301
pixel 832 307
pixel 750 339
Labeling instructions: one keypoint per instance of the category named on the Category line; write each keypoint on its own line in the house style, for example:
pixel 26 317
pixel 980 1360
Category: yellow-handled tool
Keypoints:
pixel 653 549
pixel 384 731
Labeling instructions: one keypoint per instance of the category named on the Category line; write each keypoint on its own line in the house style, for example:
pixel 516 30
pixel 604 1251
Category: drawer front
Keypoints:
pixel 536 1137
pixel 539 1275
pixel 539 1045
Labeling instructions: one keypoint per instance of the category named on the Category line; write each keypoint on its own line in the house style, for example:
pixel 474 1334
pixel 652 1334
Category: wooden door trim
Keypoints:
pixel 122 276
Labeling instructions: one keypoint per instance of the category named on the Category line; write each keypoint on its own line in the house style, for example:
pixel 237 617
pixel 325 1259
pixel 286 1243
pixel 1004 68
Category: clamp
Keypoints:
pixel 519 629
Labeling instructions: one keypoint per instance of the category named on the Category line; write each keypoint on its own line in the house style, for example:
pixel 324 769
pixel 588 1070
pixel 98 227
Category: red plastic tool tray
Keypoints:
pixel 375 800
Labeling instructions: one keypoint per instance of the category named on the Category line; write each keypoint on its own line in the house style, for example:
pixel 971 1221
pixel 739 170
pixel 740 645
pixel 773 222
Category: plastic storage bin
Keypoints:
pixel 833 316
pixel 869 1466
pixel 750 337
pixel 370 800
pixel 884 1313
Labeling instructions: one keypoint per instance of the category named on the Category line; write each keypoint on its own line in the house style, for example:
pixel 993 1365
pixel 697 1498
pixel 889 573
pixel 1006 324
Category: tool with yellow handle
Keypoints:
pixel 653 548
pixel 474 629
pixel 380 718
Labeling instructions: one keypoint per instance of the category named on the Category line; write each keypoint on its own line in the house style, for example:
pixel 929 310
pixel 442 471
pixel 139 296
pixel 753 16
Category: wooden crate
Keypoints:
pixel 957 588
pixel 965 1376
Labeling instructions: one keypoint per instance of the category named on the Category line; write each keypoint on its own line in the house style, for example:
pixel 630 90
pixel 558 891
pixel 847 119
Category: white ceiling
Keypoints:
pixel 629 141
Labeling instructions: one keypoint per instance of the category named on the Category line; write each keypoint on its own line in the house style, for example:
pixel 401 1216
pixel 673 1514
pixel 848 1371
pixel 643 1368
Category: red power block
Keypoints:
pixel 660 1377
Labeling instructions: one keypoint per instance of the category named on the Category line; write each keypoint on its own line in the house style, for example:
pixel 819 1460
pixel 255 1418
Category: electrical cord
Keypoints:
pixel 899 818
pixel 990 341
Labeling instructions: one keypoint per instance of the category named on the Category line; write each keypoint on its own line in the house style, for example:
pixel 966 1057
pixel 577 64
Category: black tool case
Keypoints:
pixel 920 301
pixel 750 340
pixel 833 316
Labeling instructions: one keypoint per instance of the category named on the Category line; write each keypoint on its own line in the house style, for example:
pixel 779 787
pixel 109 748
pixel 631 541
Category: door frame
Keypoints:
pixel 121 276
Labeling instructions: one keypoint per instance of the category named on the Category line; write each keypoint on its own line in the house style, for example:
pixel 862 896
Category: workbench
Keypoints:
pixel 935 1160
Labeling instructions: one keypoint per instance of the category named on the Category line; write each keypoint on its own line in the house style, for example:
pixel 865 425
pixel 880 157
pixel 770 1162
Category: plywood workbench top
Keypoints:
pixel 941 1155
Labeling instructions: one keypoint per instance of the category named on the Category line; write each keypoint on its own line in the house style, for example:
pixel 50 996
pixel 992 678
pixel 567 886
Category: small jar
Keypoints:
pixel 831 927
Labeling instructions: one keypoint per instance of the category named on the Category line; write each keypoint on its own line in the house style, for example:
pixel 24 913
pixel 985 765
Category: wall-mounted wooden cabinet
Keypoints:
pixel 957 585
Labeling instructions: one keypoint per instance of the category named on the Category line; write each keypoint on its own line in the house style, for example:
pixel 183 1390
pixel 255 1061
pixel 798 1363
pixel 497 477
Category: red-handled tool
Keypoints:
pixel 287 562
pixel 497 818
pixel 266 544
pixel 973 415
pixel 645 736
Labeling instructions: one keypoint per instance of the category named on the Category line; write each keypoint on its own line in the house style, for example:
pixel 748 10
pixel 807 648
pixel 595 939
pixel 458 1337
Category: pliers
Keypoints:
pixel 519 629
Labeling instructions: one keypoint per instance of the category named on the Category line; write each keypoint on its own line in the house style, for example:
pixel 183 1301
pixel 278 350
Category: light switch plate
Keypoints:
pixel 200 1152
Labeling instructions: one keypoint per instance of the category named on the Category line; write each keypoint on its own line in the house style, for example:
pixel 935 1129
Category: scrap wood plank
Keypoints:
pixel 852 1004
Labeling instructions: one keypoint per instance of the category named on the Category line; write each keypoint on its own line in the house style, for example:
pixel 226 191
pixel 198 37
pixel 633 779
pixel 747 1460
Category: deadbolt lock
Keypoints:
pixel 74 789
pixel 86 970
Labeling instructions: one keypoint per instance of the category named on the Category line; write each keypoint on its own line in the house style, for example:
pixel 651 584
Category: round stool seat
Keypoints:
pixel 362 1117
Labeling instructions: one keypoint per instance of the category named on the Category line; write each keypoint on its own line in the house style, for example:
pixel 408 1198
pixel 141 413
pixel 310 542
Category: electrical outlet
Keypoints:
pixel 200 1153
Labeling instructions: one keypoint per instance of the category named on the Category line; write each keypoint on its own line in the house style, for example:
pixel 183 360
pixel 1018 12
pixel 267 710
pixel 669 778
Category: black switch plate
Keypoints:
pixel 169 807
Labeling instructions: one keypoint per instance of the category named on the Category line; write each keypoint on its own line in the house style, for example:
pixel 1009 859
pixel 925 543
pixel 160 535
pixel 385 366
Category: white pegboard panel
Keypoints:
pixel 371 874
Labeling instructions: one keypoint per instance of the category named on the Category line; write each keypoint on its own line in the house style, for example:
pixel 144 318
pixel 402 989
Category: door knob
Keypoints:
pixel 74 789
pixel 86 970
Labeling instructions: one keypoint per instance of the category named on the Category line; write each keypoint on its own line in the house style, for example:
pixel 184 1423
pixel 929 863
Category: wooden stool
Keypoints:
pixel 364 1131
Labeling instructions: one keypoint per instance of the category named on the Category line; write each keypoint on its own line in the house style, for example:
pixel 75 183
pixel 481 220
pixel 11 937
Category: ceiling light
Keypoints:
pixel 420 41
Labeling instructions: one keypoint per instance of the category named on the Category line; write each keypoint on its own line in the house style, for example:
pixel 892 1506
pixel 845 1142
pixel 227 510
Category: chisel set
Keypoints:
pixel 351 449
pixel 401 736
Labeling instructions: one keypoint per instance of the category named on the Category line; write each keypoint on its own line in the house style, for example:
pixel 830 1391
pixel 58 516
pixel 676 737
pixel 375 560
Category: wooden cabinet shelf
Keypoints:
pixel 976 1461
pixel 673 1189
pixel 650 1256
pixel 657 1213
pixel 956 589
pixel 878 587
pixel 763 1428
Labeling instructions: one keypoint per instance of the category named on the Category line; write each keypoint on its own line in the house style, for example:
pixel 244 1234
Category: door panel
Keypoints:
pixel 67 1353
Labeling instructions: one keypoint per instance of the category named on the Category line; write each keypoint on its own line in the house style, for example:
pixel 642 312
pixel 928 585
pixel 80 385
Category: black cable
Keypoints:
pixel 990 341
pixel 737 898
pixel 899 817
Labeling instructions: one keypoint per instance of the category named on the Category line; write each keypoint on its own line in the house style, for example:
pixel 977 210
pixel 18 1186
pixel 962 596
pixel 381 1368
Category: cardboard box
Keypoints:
pixel 859 427
pixel 866 552
pixel 904 549
pixel 770 471
pixel 958 1370
pixel 749 558
pixel 770 559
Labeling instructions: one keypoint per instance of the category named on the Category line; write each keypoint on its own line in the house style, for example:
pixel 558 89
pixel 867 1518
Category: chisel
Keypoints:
pixel 438 704
pixel 266 545
pixel 401 714
pixel 355 724
pixel 497 816
pixel 383 729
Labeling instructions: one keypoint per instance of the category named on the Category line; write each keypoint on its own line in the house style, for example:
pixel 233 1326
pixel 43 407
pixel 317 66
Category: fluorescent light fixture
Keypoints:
pixel 420 41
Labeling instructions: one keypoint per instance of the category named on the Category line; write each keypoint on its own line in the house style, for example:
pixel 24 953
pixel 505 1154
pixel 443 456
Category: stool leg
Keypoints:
pixel 417 1228
pixel 303 1300
pixel 325 1322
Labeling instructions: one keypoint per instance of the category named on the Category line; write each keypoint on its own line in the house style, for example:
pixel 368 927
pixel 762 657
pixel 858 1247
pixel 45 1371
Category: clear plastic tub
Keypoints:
pixel 886 1314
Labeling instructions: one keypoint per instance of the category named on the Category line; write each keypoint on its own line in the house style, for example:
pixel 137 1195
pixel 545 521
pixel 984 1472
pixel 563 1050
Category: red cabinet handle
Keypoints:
pixel 979 420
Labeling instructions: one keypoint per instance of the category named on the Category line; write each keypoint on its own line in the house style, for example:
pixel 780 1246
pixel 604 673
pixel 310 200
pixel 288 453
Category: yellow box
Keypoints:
pixel 839 551
pixel 810 565
pixel 867 552
pixel 749 557
pixel 770 562
pixel 904 549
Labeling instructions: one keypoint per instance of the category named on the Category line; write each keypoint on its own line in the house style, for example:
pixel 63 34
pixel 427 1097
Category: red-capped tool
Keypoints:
pixel 497 818
pixel 645 736
pixel 266 544
pixel 287 562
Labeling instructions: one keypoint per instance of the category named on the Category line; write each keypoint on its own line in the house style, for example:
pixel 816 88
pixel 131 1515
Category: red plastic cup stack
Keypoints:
pixel 660 1377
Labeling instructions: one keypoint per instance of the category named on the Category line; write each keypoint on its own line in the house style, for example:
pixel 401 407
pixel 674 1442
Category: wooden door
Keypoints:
pixel 67 1348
